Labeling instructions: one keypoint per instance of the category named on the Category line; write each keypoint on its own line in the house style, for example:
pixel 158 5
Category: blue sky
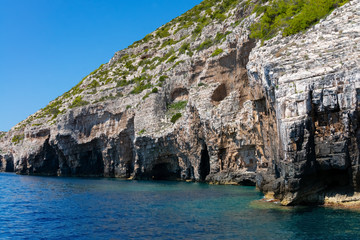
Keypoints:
pixel 48 46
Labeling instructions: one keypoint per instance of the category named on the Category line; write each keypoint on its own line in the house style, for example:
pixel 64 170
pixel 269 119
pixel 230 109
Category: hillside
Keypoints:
pixel 231 92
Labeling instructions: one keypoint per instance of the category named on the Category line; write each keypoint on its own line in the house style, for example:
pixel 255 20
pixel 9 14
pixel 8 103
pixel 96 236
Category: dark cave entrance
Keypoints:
pixel 204 168
pixel 219 94
pixel 162 171
pixel 327 182
pixel 335 179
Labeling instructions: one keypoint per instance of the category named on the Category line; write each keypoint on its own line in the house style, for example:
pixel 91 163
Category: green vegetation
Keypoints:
pixel 221 36
pixel 290 16
pixel 124 58
pixel 204 45
pixel 168 42
pixel 131 67
pixel 154 90
pixel 185 47
pixel 178 105
pixel 122 83
pixel 163 32
pixel 140 87
pixel 94 84
pixel 146 39
pixel 120 73
pixel 217 52
pixel 78 102
pixel 142 83
pixel 175 117
pixel 202 22
pixel 17 139
pixel 50 109
pixel 177 63
pixel 165 57
pixel 109 97
pixel 163 78
pixel 142 131
pixel 202 14
pixel 171 59
pixel 146 96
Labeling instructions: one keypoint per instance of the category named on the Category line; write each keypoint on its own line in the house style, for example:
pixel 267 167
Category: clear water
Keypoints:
pixel 77 208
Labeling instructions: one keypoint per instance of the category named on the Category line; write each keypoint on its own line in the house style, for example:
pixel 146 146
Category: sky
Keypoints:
pixel 48 46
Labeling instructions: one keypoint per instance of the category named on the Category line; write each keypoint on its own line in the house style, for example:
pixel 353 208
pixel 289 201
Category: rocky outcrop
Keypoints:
pixel 282 115
pixel 313 82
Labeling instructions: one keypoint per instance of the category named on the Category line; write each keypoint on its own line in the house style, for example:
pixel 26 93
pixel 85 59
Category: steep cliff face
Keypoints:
pixel 312 80
pixel 200 100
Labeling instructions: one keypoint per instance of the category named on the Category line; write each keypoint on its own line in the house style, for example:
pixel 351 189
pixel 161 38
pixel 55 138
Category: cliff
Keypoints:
pixel 198 99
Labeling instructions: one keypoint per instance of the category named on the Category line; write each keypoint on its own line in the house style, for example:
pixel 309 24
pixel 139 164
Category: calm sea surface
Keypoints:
pixel 78 208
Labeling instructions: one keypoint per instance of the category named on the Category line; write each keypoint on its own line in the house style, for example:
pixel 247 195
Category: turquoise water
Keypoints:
pixel 78 208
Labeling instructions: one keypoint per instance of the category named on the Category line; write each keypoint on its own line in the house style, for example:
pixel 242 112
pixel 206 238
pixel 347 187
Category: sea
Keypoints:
pixel 34 207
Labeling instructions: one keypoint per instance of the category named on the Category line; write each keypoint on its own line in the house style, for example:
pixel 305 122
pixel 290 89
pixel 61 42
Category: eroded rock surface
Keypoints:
pixel 283 116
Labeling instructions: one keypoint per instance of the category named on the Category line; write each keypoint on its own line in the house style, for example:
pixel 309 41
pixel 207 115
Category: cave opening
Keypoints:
pixel 328 182
pixel 162 171
pixel 335 179
pixel 204 168
pixel 219 94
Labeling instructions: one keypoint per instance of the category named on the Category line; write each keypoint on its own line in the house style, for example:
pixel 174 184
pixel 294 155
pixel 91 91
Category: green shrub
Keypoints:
pixel 122 83
pixel 129 66
pixel 108 80
pixel 168 42
pixel 51 109
pixel 290 16
pixel 178 105
pixel 93 84
pixel 218 16
pixel 163 32
pixel 147 38
pixel 17 139
pixel 163 78
pixel 171 59
pixel 198 29
pixel 78 102
pixel 217 52
pixel 142 78
pixel 221 36
pixel 184 47
pixel 140 87
pixel 177 63
pixel 105 98
pixel 204 45
pixel 124 58
pixel 175 117
pixel 146 96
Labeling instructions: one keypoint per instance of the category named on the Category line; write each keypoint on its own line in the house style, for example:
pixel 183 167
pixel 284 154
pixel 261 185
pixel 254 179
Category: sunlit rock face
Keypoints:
pixel 282 115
